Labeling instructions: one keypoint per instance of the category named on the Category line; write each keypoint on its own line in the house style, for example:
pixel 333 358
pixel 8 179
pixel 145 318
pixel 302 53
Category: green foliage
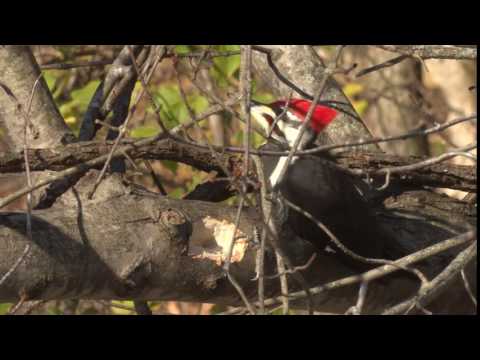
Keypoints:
pixel 73 110
pixel 217 309
pixel 50 79
pixel 144 131
pixel 119 311
pixel 4 308
pixel 183 49
pixel 66 51
pixel 353 91
pixel 91 311
pixel 257 140
pixel 171 165
pixel 238 138
pixel 198 103
pixel 177 193
pixel 81 97
pixel 225 67
pixel 56 81
pixel 228 65
pixel 173 110
pixel 75 106
pixel 54 310
pixel 437 148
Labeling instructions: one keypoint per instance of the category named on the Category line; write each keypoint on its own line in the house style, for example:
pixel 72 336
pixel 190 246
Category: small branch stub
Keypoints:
pixel 178 227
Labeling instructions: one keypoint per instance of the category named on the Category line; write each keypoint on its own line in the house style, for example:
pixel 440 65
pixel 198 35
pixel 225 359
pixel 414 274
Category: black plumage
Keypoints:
pixel 329 194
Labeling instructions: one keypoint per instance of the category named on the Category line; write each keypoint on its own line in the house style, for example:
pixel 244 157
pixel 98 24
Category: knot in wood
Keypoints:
pixel 172 217
pixel 178 227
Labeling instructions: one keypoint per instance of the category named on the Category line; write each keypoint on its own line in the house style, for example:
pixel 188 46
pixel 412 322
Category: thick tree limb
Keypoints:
pixel 18 74
pixel 437 175
pixel 155 248
pixel 88 251
pixel 144 250
pixel 119 77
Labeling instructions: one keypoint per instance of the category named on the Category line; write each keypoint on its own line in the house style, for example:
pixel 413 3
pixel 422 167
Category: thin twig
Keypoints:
pixel 295 268
pixel 430 290
pixel 121 133
pixel 117 77
pixel 270 226
pixel 240 206
pixel 325 148
pixel 347 251
pixel 283 283
pixel 246 89
pixel 130 145
pixel 433 51
pixel 226 265
pixel 25 307
pixel 383 65
pixel 468 288
pixel 362 294
pixel 155 178
pixel 67 66
pixel 387 182
pixel 101 159
pixel 144 82
pixel 407 135
pixel 260 270
pixel 279 116
pixel 429 162
pixel 16 264
pixel 385 269
pixel 17 306
pixel 331 103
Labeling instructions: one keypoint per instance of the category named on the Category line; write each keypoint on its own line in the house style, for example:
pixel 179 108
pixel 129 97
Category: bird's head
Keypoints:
pixel 286 118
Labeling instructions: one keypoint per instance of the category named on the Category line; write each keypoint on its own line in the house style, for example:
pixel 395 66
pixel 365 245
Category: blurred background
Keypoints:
pixel 392 101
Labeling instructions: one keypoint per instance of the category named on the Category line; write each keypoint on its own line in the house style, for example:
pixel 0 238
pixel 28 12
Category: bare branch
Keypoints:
pixel 468 288
pixel 430 290
pixel 362 294
pixel 385 269
pixel 433 51
pixel 68 66
pixel 87 155
pixel 383 65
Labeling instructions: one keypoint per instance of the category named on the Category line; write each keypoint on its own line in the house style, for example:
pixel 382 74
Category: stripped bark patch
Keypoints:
pixel 222 233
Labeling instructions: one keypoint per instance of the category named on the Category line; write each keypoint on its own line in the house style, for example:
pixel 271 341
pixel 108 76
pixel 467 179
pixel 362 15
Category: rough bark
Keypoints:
pixel 391 93
pixel 151 247
pixel 83 249
pixel 301 65
pixel 122 245
pixel 443 174
pixel 18 72
pixel 458 52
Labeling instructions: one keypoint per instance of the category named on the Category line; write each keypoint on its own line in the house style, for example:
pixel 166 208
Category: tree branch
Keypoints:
pixel 433 51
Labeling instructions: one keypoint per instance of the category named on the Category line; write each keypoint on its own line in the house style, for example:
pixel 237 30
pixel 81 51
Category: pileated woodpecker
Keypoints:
pixel 316 185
